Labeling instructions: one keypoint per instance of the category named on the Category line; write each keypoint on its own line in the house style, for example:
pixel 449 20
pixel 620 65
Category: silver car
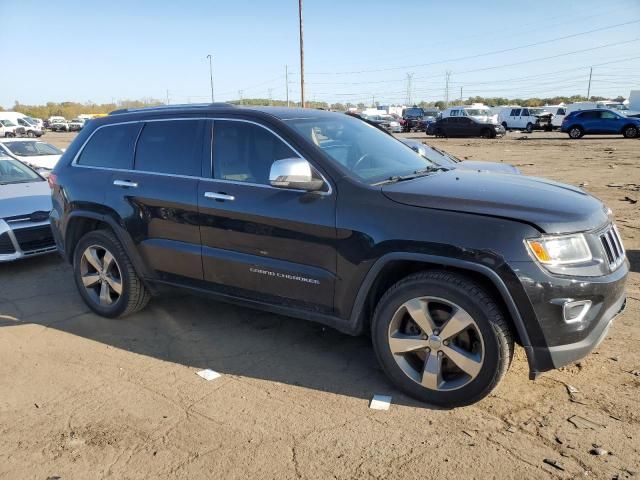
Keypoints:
pixel 25 203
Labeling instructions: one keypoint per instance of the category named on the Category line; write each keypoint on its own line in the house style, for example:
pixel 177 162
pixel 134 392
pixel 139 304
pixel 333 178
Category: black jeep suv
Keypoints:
pixel 321 216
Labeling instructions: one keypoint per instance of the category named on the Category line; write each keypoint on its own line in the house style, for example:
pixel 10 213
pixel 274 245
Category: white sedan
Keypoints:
pixel 35 153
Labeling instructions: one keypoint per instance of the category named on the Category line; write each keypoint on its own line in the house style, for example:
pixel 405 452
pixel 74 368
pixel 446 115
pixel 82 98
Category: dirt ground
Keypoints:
pixel 83 397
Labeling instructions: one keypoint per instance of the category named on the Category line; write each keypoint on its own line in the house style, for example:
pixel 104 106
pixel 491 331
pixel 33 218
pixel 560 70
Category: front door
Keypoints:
pixel 259 242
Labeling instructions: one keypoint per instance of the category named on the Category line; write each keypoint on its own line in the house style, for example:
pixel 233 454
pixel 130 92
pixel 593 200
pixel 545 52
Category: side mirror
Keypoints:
pixel 294 173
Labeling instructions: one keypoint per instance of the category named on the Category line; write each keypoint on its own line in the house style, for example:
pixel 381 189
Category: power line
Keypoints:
pixel 468 57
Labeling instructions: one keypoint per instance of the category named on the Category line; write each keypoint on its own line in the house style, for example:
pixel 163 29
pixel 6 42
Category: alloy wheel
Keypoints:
pixel 575 133
pixel 436 343
pixel 101 275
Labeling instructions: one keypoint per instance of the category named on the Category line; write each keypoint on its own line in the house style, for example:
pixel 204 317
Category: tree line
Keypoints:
pixel 73 109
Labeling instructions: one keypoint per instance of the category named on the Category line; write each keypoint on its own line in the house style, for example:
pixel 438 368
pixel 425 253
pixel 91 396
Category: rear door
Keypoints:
pixel 261 242
pixel 156 197
pixel 590 121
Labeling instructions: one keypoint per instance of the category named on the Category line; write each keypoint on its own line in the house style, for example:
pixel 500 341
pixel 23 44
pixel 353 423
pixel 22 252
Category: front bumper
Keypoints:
pixel 23 238
pixel 556 342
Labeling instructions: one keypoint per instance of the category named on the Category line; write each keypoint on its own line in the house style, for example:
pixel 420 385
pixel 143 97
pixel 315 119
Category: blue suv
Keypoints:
pixel 599 121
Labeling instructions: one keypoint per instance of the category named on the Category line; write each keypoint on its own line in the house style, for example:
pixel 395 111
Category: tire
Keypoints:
pixel 630 131
pixel 31 134
pixel 575 132
pixel 504 124
pixel 528 128
pixel 133 294
pixel 487 342
pixel 486 133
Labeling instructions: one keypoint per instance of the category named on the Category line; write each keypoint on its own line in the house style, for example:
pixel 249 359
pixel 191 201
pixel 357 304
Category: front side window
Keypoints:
pixel 111 147
pixel 172 147
pixel 525 112
pixel 369 154
pixel 515 112
pixel 562 111
pixel 609 116
pixel 244 152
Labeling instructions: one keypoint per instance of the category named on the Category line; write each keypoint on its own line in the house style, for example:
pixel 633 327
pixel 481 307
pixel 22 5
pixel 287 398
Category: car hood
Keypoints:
pixel 552 207
pixel 24 198
pixel 40 161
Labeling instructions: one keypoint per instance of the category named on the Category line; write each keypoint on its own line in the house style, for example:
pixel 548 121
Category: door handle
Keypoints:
pixel 125 183
pixel 219 196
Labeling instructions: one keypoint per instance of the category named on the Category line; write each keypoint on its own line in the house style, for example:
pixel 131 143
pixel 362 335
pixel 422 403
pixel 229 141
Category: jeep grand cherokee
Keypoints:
pixel 321 216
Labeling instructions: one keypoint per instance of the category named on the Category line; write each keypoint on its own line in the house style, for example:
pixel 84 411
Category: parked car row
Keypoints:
pixel 480 120
pixel 60 124
pixel 14 124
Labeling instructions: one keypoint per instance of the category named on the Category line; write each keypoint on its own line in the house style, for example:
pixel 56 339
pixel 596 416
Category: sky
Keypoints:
pixel 355 51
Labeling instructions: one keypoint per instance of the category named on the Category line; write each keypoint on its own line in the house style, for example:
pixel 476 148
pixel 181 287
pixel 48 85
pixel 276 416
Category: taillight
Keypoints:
pixel 52 179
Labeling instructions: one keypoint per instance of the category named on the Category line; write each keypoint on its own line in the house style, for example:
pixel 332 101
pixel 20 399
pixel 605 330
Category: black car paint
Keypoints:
pixel 316 256
pixel 465 127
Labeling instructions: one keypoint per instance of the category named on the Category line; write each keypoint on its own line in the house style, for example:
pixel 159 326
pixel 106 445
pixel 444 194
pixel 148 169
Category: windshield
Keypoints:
pixel 413 112
pixel 32 149
pixel 431 113
pixel 368 153
pixel 476 112
pixel 13 171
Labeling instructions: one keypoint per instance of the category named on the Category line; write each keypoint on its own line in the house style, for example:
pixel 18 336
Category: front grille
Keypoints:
pixel 6 247
pixel 612 244
pixel 34 238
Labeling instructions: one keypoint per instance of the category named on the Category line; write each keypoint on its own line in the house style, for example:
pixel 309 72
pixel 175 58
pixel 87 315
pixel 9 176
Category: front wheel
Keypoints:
pixel 441 338
pixel 529 128
pixel 486 133
pixel 630 132
pixel 31 134
pixel 105 277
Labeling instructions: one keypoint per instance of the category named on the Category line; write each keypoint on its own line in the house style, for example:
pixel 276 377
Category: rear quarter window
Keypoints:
pixel 111 147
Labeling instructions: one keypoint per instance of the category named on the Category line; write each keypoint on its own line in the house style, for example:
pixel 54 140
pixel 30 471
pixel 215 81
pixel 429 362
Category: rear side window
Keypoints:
pixel 111 147
pixel 454 113
pixel 244 152
pixel 173 147
pixel 561 111
pixel 589 115
pixel 515 112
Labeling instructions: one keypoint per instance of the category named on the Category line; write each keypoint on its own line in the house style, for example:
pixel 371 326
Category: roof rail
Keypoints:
pixel 176 106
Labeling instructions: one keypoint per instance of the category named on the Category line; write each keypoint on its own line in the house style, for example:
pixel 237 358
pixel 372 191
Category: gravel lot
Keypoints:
pixel 85 397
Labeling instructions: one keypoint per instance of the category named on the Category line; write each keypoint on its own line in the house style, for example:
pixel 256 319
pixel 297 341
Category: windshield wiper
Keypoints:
pixel 417 173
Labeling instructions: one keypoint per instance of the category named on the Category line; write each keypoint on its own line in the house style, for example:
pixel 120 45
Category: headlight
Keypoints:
pixel 560 250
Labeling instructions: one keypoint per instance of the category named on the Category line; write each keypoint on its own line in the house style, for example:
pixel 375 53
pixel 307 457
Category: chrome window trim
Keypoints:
pixel 74 162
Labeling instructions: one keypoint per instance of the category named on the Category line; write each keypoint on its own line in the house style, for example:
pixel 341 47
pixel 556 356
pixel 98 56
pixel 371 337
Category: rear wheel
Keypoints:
pixel 441 338
pixel 575 132
pixel 105 277
pixel 630 131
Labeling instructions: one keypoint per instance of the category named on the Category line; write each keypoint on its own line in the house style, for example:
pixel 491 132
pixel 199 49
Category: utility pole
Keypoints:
pixel 373 101
pixel 461 96
pixel 286 81
pixel 446 89
pixel 302 104
pixel 271 96
pixel 409 89
pixel 589 88
pixel 240 92
pixel 167 96
pixel 210 57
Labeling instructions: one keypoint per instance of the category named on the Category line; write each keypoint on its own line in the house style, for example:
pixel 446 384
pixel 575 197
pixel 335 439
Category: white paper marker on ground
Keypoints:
pixel 208 374
pixel 380 402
